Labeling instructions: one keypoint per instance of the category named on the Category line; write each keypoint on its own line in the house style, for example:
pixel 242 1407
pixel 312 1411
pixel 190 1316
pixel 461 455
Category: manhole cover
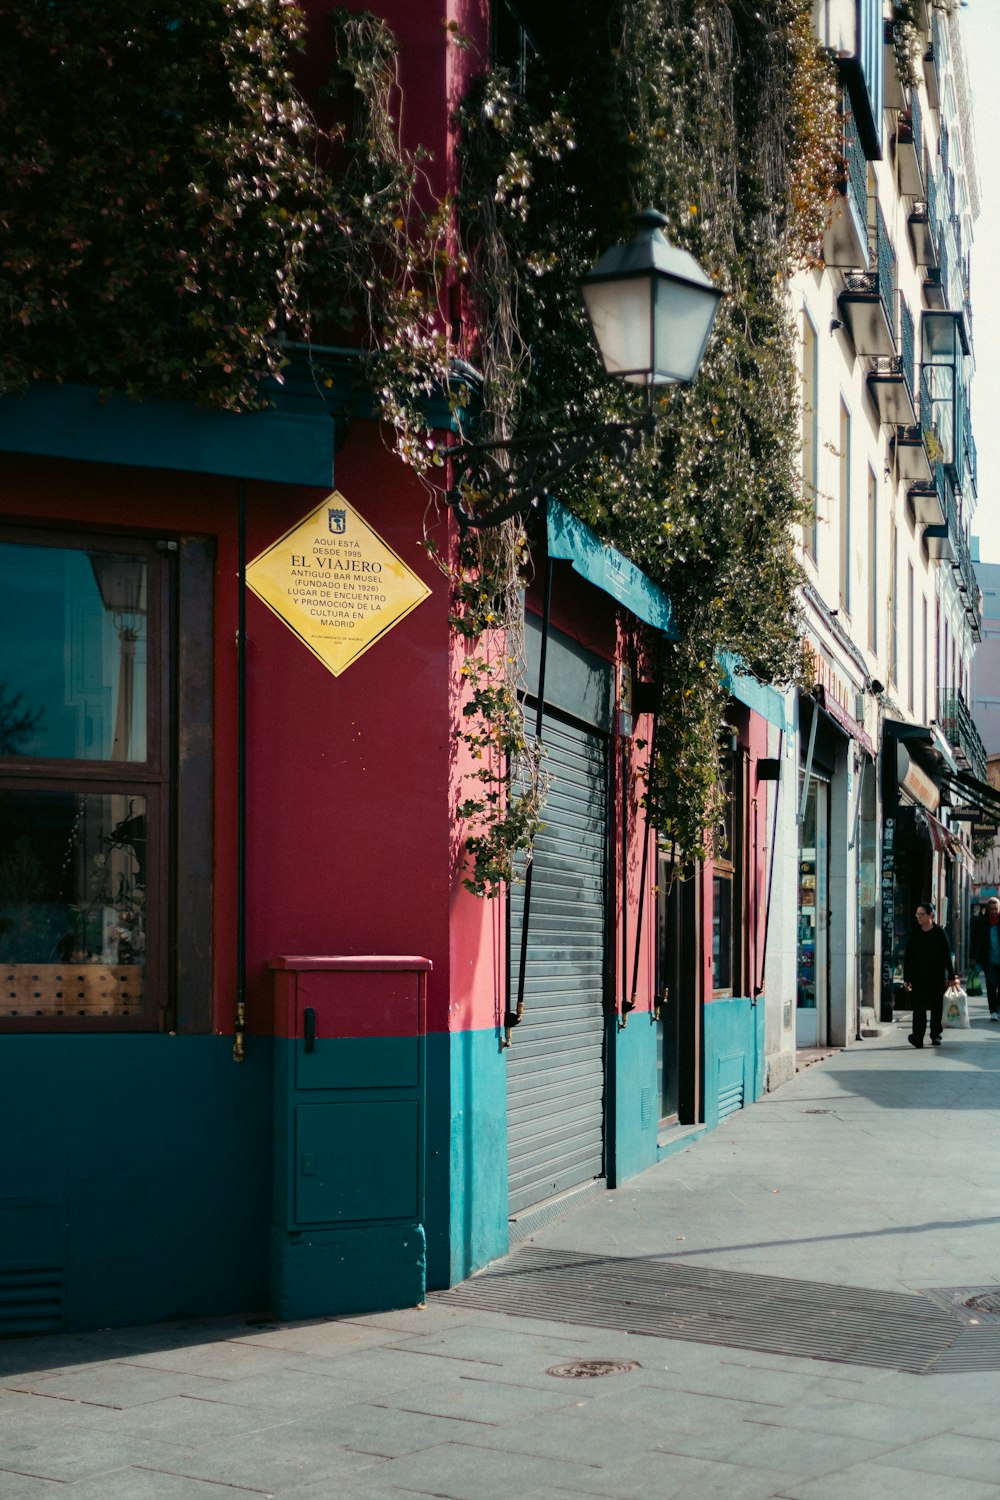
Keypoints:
pixel 589 1369
pixel 983 1302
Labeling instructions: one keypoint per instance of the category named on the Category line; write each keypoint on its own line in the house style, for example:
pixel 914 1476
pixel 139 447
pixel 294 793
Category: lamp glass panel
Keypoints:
pixel 621 312
pixel 684 318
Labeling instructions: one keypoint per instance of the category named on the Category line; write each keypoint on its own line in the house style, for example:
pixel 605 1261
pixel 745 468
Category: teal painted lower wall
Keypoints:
pixel 144 1175
pixel 467 1160
pixel 733 1056
pixel 636 1108
pixel 142 1165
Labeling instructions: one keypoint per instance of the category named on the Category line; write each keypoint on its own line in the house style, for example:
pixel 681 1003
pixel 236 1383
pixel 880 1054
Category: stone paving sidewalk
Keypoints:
pixel 875 1169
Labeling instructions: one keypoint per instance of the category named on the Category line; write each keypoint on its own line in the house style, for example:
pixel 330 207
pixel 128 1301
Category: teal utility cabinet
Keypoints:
pixel 347 1228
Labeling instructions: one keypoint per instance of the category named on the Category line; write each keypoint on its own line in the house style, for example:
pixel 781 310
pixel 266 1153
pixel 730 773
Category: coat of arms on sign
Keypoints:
pixel 337 520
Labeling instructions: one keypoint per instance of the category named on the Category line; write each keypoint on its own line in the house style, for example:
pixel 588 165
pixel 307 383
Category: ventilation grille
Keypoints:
pixel 851 1325
pixel 31 1299
pixel 730 1084
pixel 32 1264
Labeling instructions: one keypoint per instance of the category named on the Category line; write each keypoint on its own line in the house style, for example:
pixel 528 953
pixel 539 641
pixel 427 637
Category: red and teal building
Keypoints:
pixel 253 1026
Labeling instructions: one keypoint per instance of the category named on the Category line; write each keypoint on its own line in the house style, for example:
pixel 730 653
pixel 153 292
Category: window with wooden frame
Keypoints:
pixel 727 881
pixel 89 693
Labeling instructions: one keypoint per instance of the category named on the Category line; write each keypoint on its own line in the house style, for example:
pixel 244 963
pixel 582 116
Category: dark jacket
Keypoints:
pixel 927 963
pixel 979 939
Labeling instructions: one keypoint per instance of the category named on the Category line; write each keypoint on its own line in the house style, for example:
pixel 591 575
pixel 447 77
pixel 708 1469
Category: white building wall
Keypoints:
pixel 886 620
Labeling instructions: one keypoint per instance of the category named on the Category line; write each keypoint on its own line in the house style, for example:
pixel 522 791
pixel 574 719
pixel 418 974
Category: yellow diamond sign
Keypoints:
pixel 335 583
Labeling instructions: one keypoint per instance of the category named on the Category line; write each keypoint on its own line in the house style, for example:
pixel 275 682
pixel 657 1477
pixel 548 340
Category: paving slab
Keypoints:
pixel 388 1433
pixel 466 1473
pixel 74 1453
pixel 956 1455
pixel 874 1169
pixel 280 1459
pixel 878 1481
pixel 669 1476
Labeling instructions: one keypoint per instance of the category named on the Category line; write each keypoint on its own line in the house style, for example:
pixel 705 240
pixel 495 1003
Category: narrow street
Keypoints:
pixel 796 1279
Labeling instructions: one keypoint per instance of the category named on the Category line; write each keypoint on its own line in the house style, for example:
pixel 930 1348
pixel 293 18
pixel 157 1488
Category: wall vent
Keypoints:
pixel 730 1084
pixel 32 1265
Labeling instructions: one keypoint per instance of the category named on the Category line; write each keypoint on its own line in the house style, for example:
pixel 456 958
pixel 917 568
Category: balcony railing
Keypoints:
pixel 960 728
pixel 910 149
pixel 940 537
pixel 856 163
pixel 968 584
pixel 885 268
pixel 868 301
pixel 971 456
pixel 890 380
pixel 924 225
pixel 845 243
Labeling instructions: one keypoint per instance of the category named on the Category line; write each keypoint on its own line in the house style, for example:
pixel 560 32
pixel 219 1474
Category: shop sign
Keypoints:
pixel 335 583
pixel 915 781
pixel 836 697
pixel 888 915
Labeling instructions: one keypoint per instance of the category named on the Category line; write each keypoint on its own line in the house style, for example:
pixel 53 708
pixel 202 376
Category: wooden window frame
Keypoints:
pixel 150 779
pixel 729 867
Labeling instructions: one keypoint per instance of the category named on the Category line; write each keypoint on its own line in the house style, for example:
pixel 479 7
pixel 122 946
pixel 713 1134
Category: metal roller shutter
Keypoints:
pixel 555 1067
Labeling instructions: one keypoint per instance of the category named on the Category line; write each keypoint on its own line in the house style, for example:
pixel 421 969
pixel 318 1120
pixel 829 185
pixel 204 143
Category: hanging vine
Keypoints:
pixel 184 250
pixel 723 116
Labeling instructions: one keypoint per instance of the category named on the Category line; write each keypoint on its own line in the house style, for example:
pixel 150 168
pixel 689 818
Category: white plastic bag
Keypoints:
pixel 956 1008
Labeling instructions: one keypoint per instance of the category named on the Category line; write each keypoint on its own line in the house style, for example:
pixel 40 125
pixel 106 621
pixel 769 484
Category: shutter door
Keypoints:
pixel 555 1067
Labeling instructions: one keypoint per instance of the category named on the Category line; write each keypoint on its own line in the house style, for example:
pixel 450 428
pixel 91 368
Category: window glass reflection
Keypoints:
pixel 72 654
pixel 72 903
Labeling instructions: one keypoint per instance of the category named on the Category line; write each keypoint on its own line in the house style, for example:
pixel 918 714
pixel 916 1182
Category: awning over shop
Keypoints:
pixel 943 839
pixel 573 542
pixel 969 795
pixel 290 443
pixel 607 569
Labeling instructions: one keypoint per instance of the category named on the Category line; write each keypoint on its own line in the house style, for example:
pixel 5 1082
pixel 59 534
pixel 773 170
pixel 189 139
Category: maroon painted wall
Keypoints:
pixel 348 777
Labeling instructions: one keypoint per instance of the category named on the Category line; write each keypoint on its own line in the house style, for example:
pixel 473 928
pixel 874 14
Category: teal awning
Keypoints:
pixel 607 569
pixel 289 444
pixel 763 700
pixel 575 543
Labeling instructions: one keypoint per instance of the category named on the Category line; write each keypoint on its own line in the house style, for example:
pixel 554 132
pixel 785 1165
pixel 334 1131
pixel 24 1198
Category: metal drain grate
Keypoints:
pixel 850 1325
pixel 969 1304
pixel 591 1369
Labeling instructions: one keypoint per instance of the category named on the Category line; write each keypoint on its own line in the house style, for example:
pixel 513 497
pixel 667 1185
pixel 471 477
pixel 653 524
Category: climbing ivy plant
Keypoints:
pixel 176 220
pixel 723 116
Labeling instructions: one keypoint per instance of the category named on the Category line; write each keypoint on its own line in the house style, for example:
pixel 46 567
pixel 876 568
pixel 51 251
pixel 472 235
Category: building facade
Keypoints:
pixel 889 763
pixel 261 1047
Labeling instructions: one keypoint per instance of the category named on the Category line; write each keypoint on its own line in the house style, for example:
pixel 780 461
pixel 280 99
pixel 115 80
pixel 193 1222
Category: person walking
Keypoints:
pixel 985 946
pixel 928 969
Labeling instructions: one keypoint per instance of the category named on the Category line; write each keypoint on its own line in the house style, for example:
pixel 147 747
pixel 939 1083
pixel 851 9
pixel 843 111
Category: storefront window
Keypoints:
pixel 83 782
pixel 813 914
pixel 73 644
pixel 72 903
pixel 725 880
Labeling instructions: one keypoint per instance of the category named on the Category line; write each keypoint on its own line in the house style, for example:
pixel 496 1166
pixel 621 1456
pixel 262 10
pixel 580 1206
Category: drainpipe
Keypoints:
pixel 761 956
pixel 642 880
pixel 239 1031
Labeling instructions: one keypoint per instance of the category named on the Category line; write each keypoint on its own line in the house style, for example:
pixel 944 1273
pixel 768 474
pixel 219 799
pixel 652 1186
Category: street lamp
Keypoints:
pixel 651 308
